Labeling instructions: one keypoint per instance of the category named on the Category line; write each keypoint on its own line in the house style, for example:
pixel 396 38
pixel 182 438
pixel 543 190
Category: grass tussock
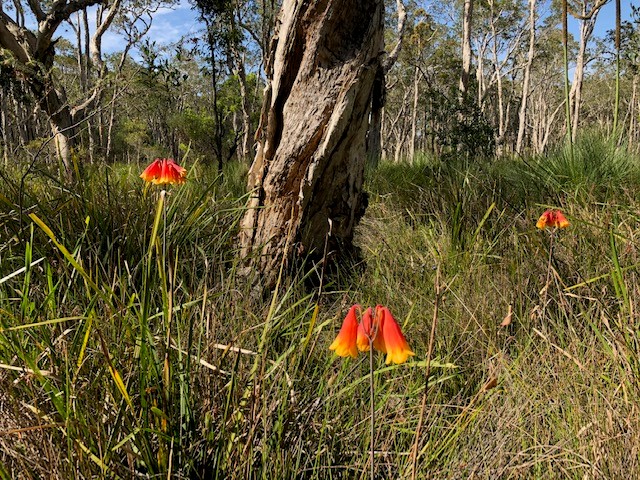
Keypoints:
pixel 129 346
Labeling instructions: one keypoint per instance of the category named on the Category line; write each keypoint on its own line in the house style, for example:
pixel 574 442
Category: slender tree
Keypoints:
pixel 467 20
pixel 526 80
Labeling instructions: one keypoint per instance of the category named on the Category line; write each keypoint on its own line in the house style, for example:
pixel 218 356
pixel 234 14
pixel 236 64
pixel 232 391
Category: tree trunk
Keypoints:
pixel 498 76
pixel 522 117
pixel 414 113
pixel 4 127
pixel 308 172
pixel 587 23
pixel 632 115
pixel 467 18
pixel 54 103
pixel 247 134
pixel 374 136
pixel 379 96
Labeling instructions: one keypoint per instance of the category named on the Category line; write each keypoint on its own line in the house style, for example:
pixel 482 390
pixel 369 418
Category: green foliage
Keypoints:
pixel 196 129
pixel 596 164
pixel 131 344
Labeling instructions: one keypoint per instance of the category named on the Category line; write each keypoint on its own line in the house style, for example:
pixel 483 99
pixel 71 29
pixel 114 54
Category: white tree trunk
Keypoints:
pixel 526 81
pixel 587 22
pixel 467 17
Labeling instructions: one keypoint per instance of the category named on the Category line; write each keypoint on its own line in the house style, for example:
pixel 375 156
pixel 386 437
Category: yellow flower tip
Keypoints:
pixel 560 220
pixel 345 343
pixel 542 222
pixel 152 171
pixel 396 346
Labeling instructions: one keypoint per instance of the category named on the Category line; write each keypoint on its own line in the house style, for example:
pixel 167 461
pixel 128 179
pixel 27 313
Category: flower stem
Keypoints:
pixel 372 407
pixel 546 285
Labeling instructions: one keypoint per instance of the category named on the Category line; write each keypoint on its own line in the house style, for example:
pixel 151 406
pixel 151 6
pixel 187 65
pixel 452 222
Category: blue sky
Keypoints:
pixel 607 17
pixel 170 24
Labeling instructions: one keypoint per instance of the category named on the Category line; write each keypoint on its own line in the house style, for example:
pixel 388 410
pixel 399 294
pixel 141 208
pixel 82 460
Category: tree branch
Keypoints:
pixel 36 8
pixel 60 11
pixel 596 7
pixel 393 55
pixel 95 46
pixel 10 32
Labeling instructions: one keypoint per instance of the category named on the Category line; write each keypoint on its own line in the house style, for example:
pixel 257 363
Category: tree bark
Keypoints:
pixel 307 176
pixel 522 117
pixel 587 23
pixel 467 18
pixel 379 96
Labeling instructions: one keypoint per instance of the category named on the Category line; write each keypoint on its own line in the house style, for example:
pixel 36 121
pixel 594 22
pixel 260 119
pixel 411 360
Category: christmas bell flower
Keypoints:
pixel 345 343
pixel 552 219
pixel 368 329
pixel 382 330
pixel 164 170
pixel 396 346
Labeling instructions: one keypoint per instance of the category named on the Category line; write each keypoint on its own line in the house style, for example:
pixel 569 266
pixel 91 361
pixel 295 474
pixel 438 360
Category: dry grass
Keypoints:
pixel 247 389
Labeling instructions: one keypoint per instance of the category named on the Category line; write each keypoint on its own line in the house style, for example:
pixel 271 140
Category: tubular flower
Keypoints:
pixel 370 328
pixel 345 342
pixel 382 329
pixel 396 346
pixel 552 219
pixel 164 170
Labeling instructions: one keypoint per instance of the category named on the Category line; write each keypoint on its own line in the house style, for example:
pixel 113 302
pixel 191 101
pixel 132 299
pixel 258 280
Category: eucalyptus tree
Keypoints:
pixel 307 177
pixel 586 12
pixel 526 77
pixel 28 51
pixel 626 39
pixel 467 25
pixel 224 22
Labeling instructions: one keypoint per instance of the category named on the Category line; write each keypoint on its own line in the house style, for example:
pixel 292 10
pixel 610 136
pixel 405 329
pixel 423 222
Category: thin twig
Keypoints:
pixel 434 322
pixel 372 407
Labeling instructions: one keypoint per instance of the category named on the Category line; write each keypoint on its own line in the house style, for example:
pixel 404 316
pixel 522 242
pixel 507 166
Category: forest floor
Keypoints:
pixel 130 347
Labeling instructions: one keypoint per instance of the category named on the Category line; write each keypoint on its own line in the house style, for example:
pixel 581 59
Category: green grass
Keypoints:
pixel 131 351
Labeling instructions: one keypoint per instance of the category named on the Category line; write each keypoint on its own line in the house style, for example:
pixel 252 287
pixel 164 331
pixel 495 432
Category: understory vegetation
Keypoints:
pixel 132 346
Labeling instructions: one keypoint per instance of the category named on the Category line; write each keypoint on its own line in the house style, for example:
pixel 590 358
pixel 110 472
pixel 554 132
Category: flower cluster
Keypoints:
pixel 164 170
pixel 552 219
pixel 381 330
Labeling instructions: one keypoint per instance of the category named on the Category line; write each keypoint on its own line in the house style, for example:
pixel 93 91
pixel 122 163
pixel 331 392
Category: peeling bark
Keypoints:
pixel 309 165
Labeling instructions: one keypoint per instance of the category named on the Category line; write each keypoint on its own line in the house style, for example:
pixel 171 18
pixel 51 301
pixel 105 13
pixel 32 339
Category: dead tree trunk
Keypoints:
pixel 309 167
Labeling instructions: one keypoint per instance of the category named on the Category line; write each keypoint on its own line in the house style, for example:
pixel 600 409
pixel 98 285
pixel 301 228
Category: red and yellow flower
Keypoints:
pixel 381 330
pixel 345 342
pixel 552 219
pixel 164 170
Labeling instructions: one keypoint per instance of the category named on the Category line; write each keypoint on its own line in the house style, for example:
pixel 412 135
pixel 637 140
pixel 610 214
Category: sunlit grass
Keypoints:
pixel 96 382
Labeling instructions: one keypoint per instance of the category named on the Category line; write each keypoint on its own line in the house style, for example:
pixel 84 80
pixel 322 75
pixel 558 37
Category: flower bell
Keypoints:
pixel 345 342
pixel 381 330
pixel 164 170
pixel 552 219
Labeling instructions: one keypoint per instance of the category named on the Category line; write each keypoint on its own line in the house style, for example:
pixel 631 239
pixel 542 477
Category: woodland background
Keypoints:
pixel 132 347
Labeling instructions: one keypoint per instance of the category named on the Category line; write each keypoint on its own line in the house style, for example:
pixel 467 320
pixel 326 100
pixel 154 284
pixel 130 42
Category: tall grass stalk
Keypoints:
pixel 227 384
